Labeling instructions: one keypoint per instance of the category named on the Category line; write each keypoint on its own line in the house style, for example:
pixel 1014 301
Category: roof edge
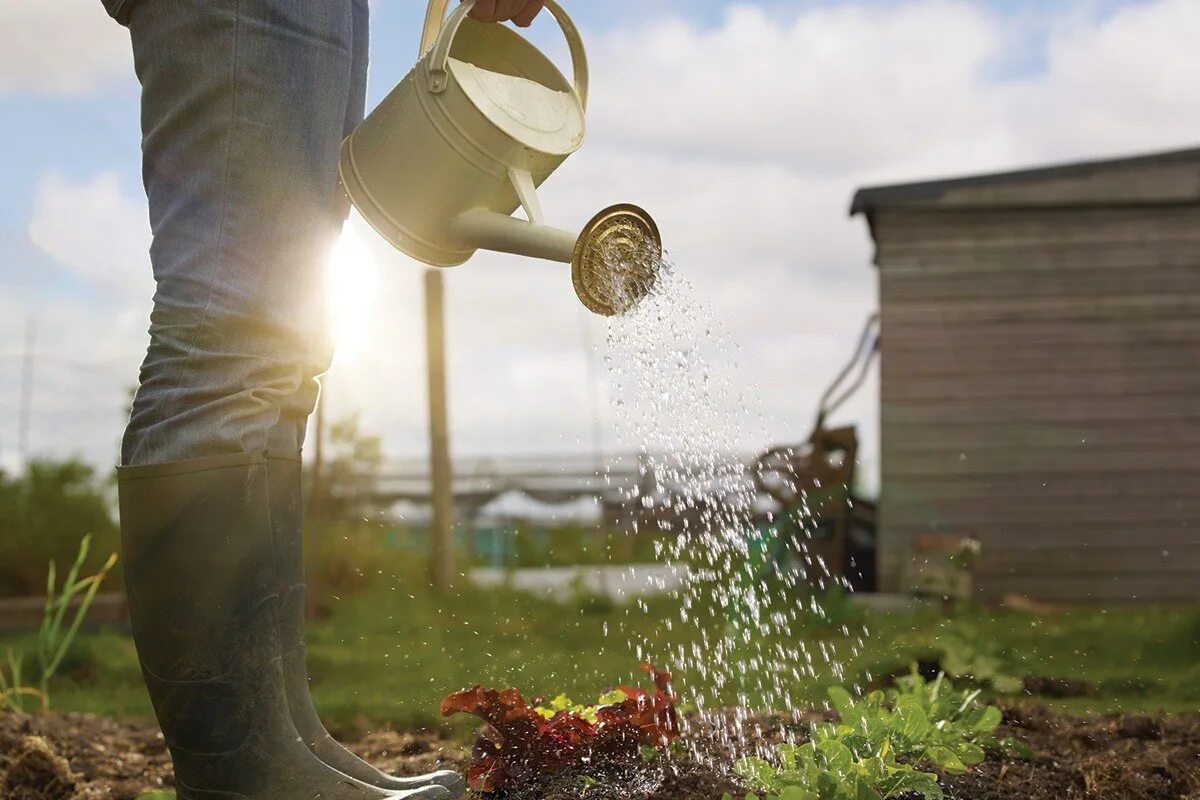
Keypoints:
pixel 870 198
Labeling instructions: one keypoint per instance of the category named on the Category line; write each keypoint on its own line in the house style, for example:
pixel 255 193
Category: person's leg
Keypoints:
pixel 243 109
pixel 286 514
pixel 287 507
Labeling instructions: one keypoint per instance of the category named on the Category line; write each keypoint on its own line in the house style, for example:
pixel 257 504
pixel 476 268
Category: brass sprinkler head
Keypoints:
pixel 617 259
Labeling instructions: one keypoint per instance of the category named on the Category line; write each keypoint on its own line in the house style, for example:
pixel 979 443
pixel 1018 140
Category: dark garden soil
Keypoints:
pixel 1103 758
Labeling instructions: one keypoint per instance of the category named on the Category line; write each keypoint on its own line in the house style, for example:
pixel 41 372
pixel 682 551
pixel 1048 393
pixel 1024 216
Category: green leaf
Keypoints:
pixel 162 794
pixel 911 720
pixel 797 793
pixel 842 702
pixel 1015 747
pixel 829 785
pixel 970 753
pixel 758 772
pixel 988 722
pixel 865 791
pixel 923 783
pixel 838 757
pixel 947 759
pixel 788 755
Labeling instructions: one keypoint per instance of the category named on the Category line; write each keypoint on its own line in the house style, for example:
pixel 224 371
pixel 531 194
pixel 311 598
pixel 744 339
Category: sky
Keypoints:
pixel 744 127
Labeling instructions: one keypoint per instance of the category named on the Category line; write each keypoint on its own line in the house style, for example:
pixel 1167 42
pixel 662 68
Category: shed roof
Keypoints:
pixel 1156 178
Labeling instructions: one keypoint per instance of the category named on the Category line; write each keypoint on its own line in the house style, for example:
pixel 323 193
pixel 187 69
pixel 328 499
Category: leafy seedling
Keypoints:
pixel 522 740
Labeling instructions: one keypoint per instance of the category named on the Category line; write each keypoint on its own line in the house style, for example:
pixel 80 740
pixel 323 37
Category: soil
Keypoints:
pixel 1114 757
pixel 83 757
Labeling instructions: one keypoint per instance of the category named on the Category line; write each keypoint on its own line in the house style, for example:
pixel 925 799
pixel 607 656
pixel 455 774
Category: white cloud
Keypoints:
pixel 90 342
pixel 826 89
pixel 1127 83
pixel 95 230
pixel 60 46
pixel 745 140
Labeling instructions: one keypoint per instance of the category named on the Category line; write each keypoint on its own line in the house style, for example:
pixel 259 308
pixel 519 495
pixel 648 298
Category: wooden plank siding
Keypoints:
pixel 1040 377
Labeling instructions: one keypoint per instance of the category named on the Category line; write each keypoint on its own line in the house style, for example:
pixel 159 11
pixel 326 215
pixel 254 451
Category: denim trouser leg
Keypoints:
pixel 244 106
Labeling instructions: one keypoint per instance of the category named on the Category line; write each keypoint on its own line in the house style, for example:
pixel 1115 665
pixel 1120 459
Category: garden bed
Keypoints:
pixel 1108 758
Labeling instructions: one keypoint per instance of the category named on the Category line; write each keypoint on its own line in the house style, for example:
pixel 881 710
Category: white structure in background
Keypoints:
pixel 621 583
pixel 516 505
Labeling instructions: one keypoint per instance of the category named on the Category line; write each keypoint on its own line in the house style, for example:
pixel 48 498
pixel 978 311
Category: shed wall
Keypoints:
pixel 1041 393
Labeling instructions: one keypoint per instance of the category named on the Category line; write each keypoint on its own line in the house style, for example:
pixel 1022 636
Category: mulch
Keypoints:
pixel 1114 757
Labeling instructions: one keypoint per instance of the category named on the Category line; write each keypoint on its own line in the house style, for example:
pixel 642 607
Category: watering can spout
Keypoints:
pixel 483 229
pixel 614 261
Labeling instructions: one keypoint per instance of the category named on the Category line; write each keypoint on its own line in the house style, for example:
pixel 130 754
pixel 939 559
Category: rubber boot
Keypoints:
pixel 287 516
pixel 199 563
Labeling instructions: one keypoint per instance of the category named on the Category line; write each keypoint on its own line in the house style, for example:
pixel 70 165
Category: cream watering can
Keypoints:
pixel 467 137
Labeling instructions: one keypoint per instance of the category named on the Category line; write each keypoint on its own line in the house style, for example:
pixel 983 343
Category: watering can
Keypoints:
pixel 441 165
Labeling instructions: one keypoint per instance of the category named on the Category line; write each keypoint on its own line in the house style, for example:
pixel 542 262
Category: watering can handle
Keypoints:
pixel 442 40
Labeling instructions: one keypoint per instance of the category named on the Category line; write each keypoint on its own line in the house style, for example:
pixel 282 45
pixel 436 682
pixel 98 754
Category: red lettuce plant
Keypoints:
pixel 519 742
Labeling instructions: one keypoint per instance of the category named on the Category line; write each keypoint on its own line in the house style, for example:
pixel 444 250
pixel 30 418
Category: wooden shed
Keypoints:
pixel 1040 376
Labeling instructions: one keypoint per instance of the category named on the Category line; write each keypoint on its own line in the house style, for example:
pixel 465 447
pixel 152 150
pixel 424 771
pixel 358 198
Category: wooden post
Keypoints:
pixel 440 470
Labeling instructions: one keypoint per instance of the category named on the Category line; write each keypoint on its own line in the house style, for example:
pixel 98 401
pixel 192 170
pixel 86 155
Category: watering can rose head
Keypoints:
pixel 468 137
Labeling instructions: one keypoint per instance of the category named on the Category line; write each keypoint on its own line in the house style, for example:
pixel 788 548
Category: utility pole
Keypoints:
pixel 440 470
pixel 26 408
pixel 441 473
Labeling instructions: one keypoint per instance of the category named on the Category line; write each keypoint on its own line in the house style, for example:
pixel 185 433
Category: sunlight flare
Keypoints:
pixel 352 281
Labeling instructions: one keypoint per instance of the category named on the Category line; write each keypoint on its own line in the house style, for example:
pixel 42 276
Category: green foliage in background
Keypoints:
pixel 343 485
pixel 54 640
pixel 985 663
pixel 43 515
pixel 384 648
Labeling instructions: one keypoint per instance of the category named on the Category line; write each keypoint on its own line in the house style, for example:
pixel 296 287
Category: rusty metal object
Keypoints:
pixel 813 481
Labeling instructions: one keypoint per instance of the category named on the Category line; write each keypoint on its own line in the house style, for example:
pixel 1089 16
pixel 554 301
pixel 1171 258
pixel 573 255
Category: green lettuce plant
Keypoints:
pixel 880 744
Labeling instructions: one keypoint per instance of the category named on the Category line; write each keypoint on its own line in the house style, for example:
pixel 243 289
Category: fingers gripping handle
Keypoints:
pixel 441 43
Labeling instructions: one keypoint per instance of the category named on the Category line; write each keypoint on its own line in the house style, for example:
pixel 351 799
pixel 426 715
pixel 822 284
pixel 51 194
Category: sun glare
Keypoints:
pixel 353 283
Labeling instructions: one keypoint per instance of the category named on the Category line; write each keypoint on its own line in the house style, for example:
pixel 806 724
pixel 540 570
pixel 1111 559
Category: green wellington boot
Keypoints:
pixel 199 571
pixel 287 516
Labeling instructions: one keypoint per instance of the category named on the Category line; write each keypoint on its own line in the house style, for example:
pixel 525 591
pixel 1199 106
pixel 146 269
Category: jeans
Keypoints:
pixel 245 104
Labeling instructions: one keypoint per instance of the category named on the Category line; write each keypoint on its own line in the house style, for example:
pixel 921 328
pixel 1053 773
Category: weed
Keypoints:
pixel 53 641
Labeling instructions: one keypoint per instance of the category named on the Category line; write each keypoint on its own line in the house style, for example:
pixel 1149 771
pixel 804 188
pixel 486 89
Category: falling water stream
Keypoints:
pixel 679 394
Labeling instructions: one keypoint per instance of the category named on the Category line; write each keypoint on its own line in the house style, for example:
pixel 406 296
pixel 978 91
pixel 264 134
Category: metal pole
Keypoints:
pixel 440 470
pixel 26 407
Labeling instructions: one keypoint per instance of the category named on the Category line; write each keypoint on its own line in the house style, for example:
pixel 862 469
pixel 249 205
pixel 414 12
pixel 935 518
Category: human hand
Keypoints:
pixel 521 12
